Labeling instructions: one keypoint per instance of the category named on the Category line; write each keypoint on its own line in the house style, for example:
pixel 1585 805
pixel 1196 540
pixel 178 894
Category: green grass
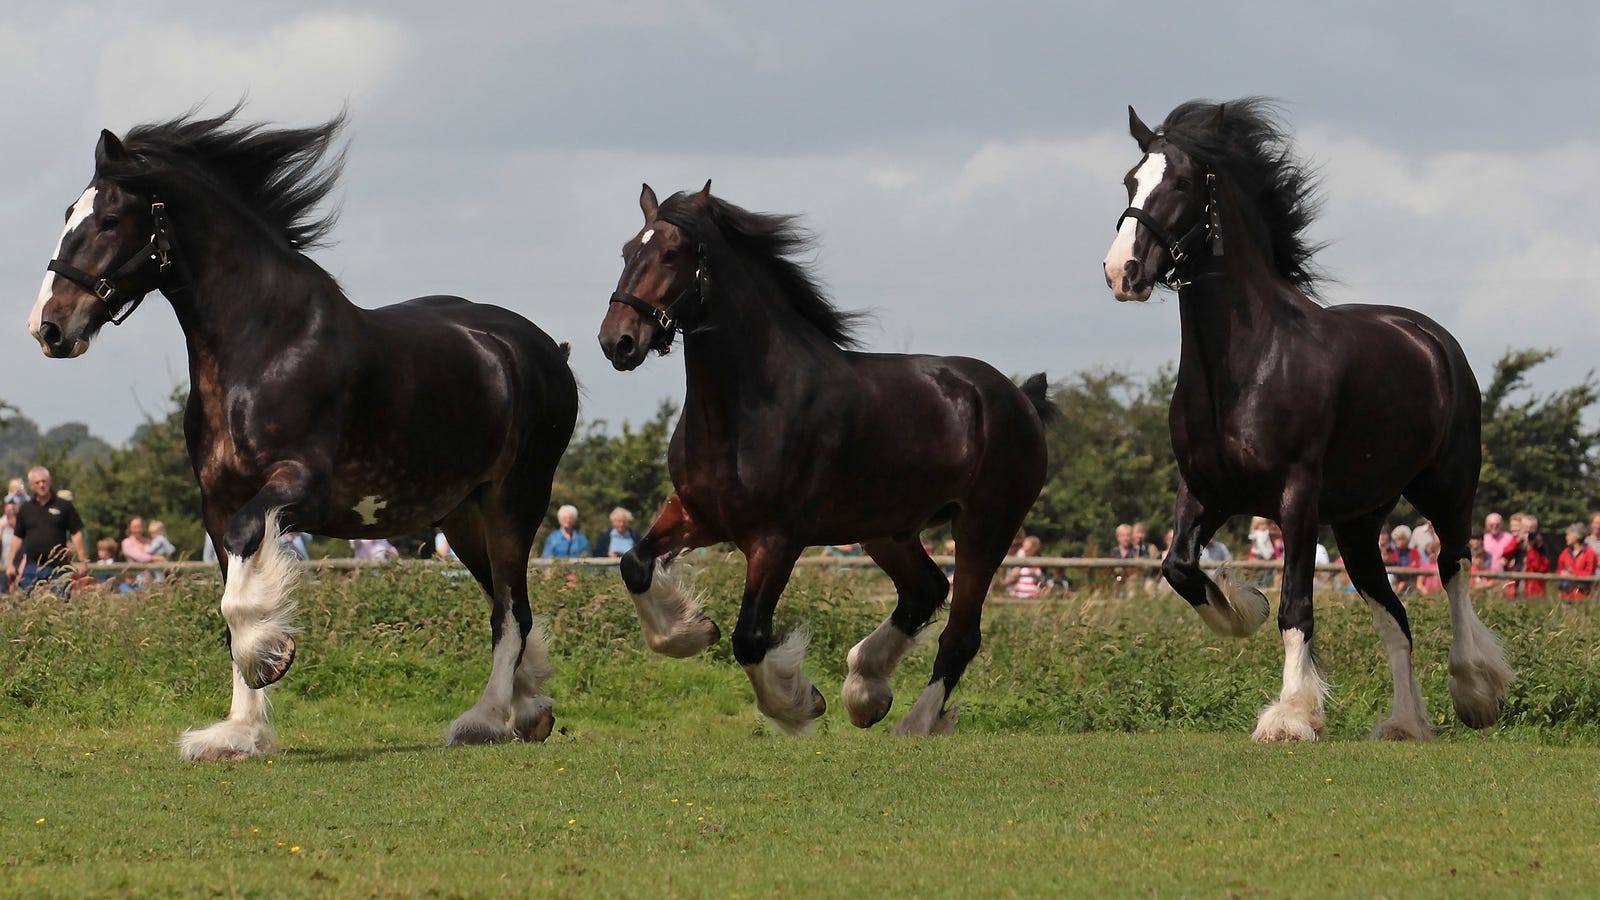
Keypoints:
pixel 1103 747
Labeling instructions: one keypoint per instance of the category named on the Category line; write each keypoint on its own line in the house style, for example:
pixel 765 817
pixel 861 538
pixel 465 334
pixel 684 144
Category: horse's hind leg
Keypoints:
pixel 1408 716
pixel 511 705
pixel 669 615
pixel 1479 673
pixel 922 588
pixel 1229 608
pixel 783 692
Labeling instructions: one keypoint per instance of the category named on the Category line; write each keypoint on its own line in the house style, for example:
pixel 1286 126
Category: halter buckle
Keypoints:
pixel 104 290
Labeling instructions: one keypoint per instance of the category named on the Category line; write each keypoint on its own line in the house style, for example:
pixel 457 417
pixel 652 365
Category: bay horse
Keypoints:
pixel 790 438
pixel 309 413
pixel 1296 411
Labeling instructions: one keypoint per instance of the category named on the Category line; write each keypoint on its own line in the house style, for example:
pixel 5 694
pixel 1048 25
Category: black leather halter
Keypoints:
pixel 1179 251
pixel 686 312
pixel 126 287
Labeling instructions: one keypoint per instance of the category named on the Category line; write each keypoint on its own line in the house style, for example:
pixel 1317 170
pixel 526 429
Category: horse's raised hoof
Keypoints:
pixel 535 725
pixel 688 639
pixel 1235 609
pixel 268 667
pixel 867 700
pixel 1397 730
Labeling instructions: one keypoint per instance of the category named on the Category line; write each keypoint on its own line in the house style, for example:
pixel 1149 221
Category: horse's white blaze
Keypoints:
pixel 245 732
pixel 1297 716
pixel 646 236
pixel 1408 718
pixel 1479 672
pixel 783 692
pixel 80 210
pixel 1145 180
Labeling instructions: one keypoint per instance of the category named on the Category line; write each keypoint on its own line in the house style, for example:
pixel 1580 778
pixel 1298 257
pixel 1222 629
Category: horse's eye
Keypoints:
pixel 108 223
pixel 1184 184
pixel 669 256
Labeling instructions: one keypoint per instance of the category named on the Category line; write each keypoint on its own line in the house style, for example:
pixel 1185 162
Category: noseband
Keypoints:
pixel 1208 229
pixel 687 311
pixel 125 288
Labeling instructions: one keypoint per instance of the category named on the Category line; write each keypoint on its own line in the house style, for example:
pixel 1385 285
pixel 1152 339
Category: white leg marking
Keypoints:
pixel 867 694
pixel 1408 716
pixel 1145 179
pixel 1234 609
pixel 259 610
pixel 489 720
pixel 1297 716
pixel 80 210
pixel 671 619
pixel 243 734
pixel 783 692
pixel 1479 672
pixel 533 713
pixel 928 715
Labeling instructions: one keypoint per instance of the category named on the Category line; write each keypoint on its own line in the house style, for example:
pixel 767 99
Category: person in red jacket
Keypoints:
pixel 1578 560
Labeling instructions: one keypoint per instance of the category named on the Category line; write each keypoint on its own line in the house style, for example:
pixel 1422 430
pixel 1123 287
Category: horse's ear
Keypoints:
pixel 109 150
pixel 704 197
pixel 1218 116
pixel 647 202
pixel 1142 135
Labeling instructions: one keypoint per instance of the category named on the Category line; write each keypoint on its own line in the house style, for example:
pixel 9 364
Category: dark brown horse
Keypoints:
pixel 790 439
pixel 307 412
pixel 1298 412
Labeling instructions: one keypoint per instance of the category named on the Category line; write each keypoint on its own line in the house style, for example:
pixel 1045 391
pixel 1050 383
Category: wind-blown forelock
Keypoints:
pixel 1247 143
pixel 774 241
pixel 282 175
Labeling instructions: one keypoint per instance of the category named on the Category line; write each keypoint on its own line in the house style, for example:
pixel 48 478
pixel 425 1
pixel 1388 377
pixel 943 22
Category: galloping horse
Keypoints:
pixel 1287 409
pixel 789 439
pixel 308 412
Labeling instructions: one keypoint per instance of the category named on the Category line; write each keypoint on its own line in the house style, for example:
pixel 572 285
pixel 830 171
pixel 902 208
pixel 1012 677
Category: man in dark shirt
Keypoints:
pixel 49 535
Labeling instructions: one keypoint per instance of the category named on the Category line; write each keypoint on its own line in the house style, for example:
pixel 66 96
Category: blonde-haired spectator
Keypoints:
pixel 160 545
pixel 620 537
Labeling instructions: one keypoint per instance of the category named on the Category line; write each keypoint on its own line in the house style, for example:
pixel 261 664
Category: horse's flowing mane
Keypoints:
pixel 773 241
pixel 282 175
pixel 1244 139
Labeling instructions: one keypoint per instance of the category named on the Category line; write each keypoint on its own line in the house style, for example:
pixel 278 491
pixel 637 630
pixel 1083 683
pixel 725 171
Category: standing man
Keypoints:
pixel 49 534
pixel 1496 541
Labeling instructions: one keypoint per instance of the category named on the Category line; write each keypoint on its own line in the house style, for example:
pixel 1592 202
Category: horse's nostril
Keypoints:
pixel 624 346
pixel 50 332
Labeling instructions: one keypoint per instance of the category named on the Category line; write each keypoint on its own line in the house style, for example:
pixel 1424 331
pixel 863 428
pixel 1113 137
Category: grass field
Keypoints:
pixel 1103 747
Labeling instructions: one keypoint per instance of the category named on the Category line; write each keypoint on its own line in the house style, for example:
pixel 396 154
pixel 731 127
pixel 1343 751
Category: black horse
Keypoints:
pixel 308 412
pixel 1288 409
pixel 789 439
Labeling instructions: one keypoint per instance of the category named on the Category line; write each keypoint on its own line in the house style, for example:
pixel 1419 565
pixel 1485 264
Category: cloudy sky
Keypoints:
pixel 961 163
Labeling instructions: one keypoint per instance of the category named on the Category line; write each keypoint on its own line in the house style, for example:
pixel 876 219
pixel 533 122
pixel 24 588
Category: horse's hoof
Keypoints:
pixel 1397 730
pixel 536 729
pixel 470 730
pixel 818 704
pixel 269 667
pixel 867 700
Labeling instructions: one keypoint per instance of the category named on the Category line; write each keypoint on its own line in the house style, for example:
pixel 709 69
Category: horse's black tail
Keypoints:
pixel 1037 389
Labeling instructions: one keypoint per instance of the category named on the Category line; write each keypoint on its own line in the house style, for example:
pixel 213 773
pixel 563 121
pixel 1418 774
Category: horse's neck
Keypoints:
pixel 239 298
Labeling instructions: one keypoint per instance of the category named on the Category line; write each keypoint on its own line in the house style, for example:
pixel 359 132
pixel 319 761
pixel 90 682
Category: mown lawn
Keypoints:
pixel 1103 747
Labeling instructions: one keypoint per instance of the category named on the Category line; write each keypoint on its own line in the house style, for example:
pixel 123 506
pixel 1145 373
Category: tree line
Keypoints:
pixel 1110 462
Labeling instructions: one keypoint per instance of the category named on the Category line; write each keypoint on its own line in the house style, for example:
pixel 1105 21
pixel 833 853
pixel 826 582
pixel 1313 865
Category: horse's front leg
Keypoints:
pixel 1297 714
pixel 669 614
pixel 783 692
pixel 258 574
pixel 1228 607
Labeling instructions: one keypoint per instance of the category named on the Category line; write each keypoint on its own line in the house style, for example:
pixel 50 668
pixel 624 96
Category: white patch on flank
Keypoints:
pixel 1479 672
pixel 783 692
pixel 648 234
pixel 80 211
pixel 1297 716
pixel 1408 718
pixel 368 508
pixel 1145 180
